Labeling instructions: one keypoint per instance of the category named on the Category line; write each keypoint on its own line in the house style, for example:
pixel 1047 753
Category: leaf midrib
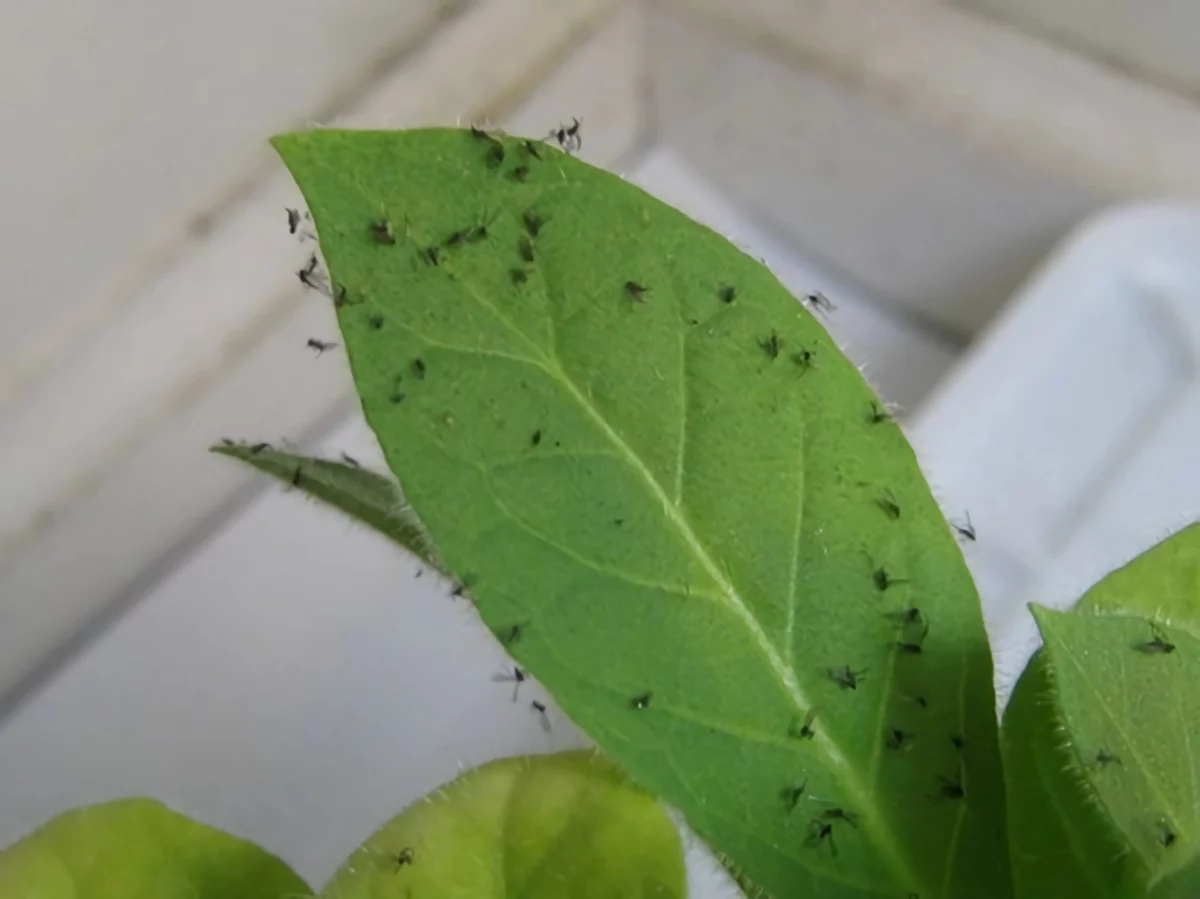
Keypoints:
pixel 859 797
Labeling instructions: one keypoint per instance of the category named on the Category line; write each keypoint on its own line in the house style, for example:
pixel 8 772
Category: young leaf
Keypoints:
pixel 1124 687
pixel 678 492
pixel 539 827
pixel 140 849
pixel 1063 840
pixel 365 496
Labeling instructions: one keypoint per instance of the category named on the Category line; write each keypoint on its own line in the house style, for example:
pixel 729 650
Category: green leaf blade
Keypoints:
pixel 1133 718
pixel 677 498
pixel 537 827
pixel 365 496
pixel 140 849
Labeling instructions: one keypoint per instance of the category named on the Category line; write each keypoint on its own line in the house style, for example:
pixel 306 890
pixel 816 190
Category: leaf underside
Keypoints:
pixel 538 827
pixel 368 497
pixel 644 456
pixel 1082 811
pixel 140 849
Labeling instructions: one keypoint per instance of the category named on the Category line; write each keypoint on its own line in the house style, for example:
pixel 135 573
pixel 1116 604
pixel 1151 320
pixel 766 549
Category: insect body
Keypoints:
pixel 642 701
pixel 320 345
pixel 805 730
pixel 516 679
pixel 845 677
pixel 540 708
pixel 1159 645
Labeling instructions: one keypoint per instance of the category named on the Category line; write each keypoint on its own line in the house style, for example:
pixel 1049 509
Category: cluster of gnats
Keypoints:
pixel 516 159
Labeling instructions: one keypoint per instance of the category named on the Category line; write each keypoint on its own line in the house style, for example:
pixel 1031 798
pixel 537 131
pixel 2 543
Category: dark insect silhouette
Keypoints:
pixel 296 477
pixel 803 360
pixel 521 173
pixel 642 701
pixel 419 368
pixel 845 677
pixel 840 814
pixel 404 857
pixel 518 275
pixel 883 580
pixel 1103 758
pixel 911 615
pixel 382 232
pixel 805 730
pixel 1166 833
pixel 950 789
pixel 531 148
pixel 727 293
pixel 771 345
pixel 516 679
pixel 568 136
pixel 513 634
pixel 959 742
pixel 540 708
pixel 536 438
pixel 791 795
pixel 375 322
pixel 293 216
pixel 898 739
pixel 309 276
pixel 821 832
pixel 320 345
pixel 258 448
pixel 635 290
pixel 1160 645
pixel 888 504
pixel 350 460
pixel 818 302
pixel 965 529
pixel 432 255
pixel 877 414
pixel 913 647
pixel 525 248
pixel 533 222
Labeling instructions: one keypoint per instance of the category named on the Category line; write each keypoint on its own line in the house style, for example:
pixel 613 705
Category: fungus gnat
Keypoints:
pixel 382 232
pixel 512 634
pixel 959 742
pixel 525 248
pixel 531 148
pixel 258 448
pixel 540 708
pixel 887 503
pixel 791 795
pixel 818 302
pixel 404 857
pixel 225 441
pixel 840 814
pixel 296 476
pixel 375 322
pixel 1160 645
pixel 350 460
pixel 320 345
pixel 521 173
pixel 1166 833
pixel 495 153
pixel 634 290
pixel 516 679
pixel 883 580
pixel 1103 758
pixel 419 368
pixel 805 730
pixel 532 222
pixel 821 832
pixel 771 345
pixel 432 255
pixel 845 677
pixel 913 647
pixel 536 438
pixel 568 136
pixel 518 276
pixel 727 293
pixel 965 530
pixel 803 360
pixel 950 789
pixel 877 414
pixel 458 237
pixel 308 275
pixel 911 615
pixel 293 219
pixel 642 701
pixel 898 739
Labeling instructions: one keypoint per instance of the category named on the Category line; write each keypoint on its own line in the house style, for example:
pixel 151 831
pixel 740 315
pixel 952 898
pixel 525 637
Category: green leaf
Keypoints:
pixel 140 849
pixel 1125 689
pixel 650 461
pixel 538 827
pixel 365 496
pixel 1062 838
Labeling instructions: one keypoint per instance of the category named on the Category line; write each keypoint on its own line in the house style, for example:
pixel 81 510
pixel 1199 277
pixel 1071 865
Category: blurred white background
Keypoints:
pixel 170 624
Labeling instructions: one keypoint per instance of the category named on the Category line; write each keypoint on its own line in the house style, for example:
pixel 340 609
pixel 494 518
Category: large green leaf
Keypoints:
pixel 538 827
pixel 1063 839
pixel 1124 687
pixel 646 457
pixel 365 496
pixel 140 849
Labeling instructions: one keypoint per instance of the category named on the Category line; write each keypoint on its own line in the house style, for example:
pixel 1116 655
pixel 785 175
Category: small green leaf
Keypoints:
pixel 538 827
pixel 365 496
pixel 140 849
pixel 1125 689
pixel 1062 838
pixel 640 450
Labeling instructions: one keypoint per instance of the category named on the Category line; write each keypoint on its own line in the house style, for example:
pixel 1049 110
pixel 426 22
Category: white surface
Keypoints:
pixel 1070 431
pixel 116 432
pixel 124 118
